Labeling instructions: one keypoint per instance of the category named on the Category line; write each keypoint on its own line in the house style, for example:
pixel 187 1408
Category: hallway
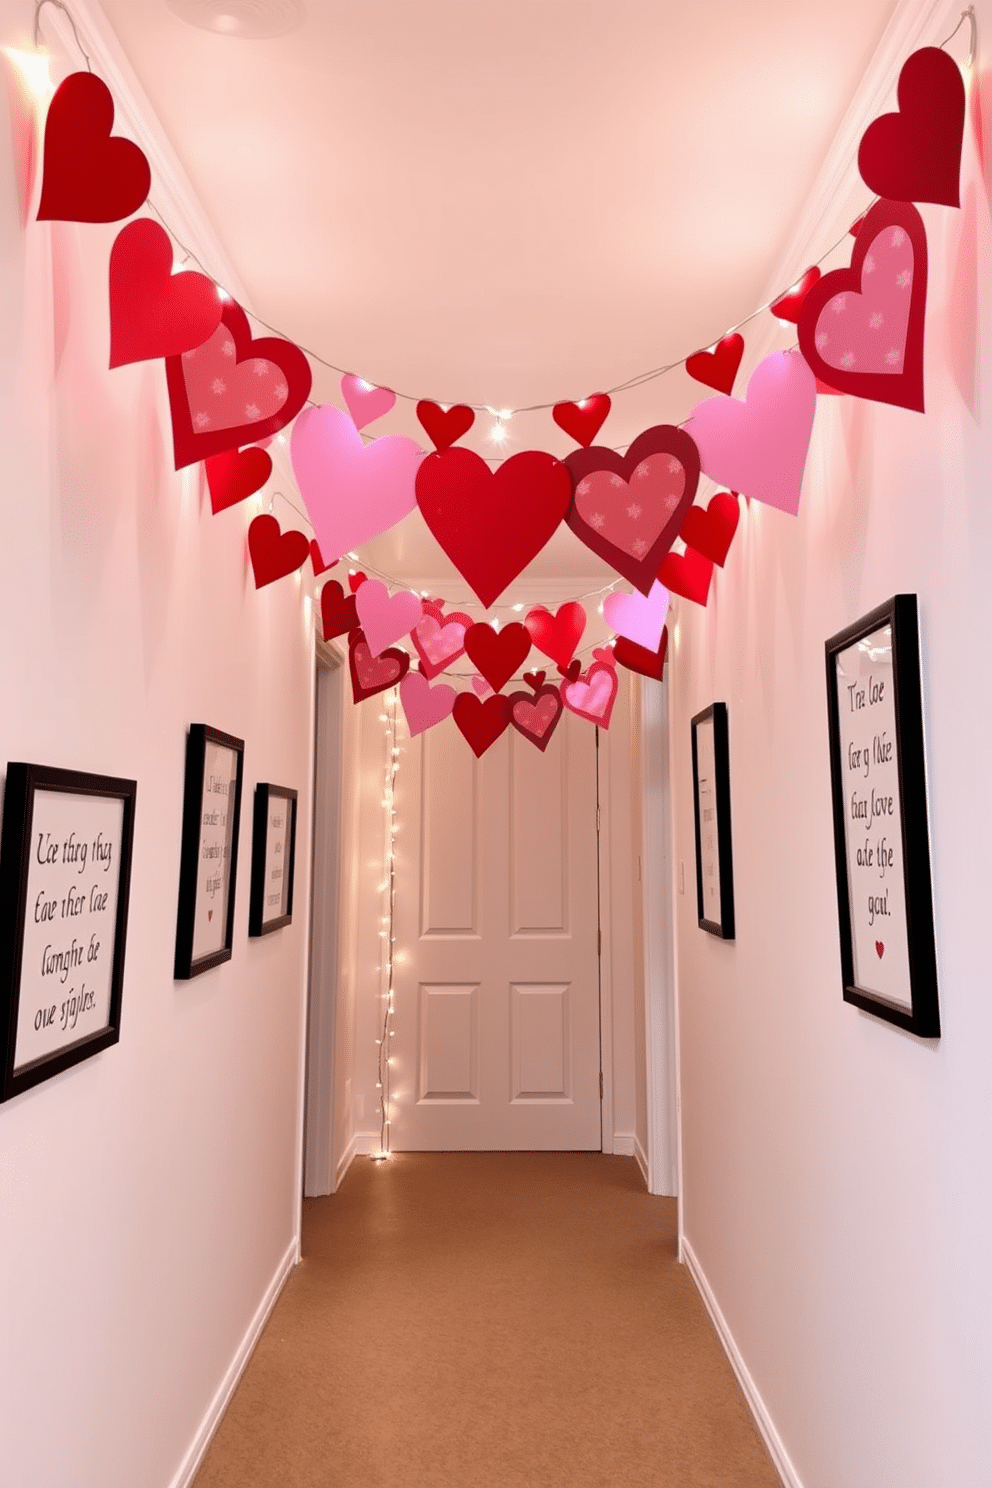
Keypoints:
pixel 468 1320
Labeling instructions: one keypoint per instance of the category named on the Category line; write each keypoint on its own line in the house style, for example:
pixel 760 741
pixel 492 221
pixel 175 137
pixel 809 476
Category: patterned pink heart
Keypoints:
pixel 365 402
pixel 386 617
pixel 439 639
pixel 424 705
pixel 866 332
pixel 641 619
pixel 593 695
pixel 536 717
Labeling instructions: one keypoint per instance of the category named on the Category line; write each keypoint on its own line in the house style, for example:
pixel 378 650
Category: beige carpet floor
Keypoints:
pixel 489 1320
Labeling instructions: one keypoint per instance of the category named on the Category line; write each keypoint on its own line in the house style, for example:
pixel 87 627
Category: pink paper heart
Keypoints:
pixel 386 617
pixel 424 705
pixel 439 639
pixel 365 402
pixel 352 491
pixel 605 654
pixel 759 446
pixel 641 619
pixel 481 686
pixel 593 695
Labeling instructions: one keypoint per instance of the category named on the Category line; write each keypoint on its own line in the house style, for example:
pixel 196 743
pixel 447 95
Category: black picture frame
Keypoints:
pixel 57 907
pixel 865 783
pixel 711 805
pixel 209 846
pixel 259 922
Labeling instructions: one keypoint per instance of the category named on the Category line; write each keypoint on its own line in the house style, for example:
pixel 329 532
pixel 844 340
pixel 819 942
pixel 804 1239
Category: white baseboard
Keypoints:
pixel 642 1161
pixel 764 1422
pixel 193 1459
pixel 627 1144
pixel 344 1163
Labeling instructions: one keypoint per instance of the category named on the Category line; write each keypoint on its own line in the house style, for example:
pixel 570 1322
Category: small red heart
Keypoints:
pixel 571 671
pixel 604 654
pixel 154 312
pixel 718 368
pixel 236 475
pixel 371 674
pixel 710 530
pixel 915 155
pixel 787 306
pixel 210 914
pixel 317 559
pixel 688 574
pixel 355 579
pixel 535 680
pixel 481 723
pixel 445 425
pixel 879 949
pixel 639 659
pixel 338 613
pixel 536 717
pixel 582 421
pixel 557 635
pixel 89 176
pixel 274 553
pixel 497 653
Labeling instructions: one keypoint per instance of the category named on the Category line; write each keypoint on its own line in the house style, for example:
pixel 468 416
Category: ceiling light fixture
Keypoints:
pixel 249 20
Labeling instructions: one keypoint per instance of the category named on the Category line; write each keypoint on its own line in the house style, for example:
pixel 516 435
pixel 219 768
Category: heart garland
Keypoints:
pixel 154 312
pixel 89 175
pixel 275 553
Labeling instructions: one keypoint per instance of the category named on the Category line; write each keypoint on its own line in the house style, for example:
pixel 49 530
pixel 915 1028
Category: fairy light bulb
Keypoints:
pixel 33 68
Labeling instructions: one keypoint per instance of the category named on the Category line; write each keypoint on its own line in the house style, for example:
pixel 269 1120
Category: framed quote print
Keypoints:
pixel 711 802
pixel 881 840
pixel 209 853
pixel 273 853
pixel 65 877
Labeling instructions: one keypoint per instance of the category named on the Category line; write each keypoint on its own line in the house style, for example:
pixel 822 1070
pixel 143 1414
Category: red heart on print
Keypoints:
pixel 557 635
pixel 480 722
pixel 535 680
pixel 688 574
pixel 861 329
pixel 628 508
pixel 338 613
pixel 88 175
pixel 233 390
pixel 536 717
pixel 274 553
pixel 439 639
pixel 718 366
pixel 497 653
pixel 710 530
pixel 788 306
pixel 210 914
pixel 235 475
pixel 371 674
pixel 154 312
pixel 444 425
pixel 593 694
pixel 879 944
pixel 317 559
pixel 915 155
pixel 582 421
pixel 355 579
pixel 491 523
pixel 639 659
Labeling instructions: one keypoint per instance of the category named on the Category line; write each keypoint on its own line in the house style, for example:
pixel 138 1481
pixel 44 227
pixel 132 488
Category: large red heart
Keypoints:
pixel 338 612
pixel 629 508
pixel 915 155
pixel 593 694
pixel 236 475
pixel 439 639
pixel 480 722
pixel 491 523
pixel 274 553
pixel 557 635
pixel 788 306
pixel 861 329
pixel 89 177
pixel 639 659
pixel 154 312
pixel 710 530
pixel 371 674
pixel 536 716
pixel 233 390
pixel 583 420
pixel 688 574
pixel 718 367
pixel 444 425
pixel 497 653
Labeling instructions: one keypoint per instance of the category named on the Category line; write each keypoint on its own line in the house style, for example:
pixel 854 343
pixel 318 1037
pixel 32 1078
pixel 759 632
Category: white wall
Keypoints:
pixel 837 1182
pixel 150 1196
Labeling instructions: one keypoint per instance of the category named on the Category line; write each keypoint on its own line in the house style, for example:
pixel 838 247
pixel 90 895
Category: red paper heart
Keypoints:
pixel 236 475
pixel 880 949
pixel 317 559
pixel 557 635
pixel 338 614
pixel 788 306
pixel 154 312
pixel 604 654
pixel 639 659
pixel 88 176
pixel 435 649
pixel 718 367
pixel 571 671
pixel 445 425
pixel 592 695
pixel 480 722
pixel 497 653
pixel 915 155
pixel 233 390
pixel 274 553
pixel 536 717
pixel 371 674
pixel 355 579
pixel 711 530
pixel 491 523
pixel 535 680
pixel 628 508
pixel 688 574
pixel 583 420
pixel 868 319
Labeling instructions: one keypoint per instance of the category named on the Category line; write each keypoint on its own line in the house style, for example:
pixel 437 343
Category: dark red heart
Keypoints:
pixel 639 659
pixel 536 717
pixel 371 674
pixel 915 155
pixel 557 635
pixel 480 722
pixel 710 530
pixel 491 523
pixel 583 420
pixel 154 312
pixel 628 508
pixel 535 680
pixel 233 390
pixel 497 654
pixel 444 425
pixel 355 579
pixel 571 671
pixel 274 553
pixel 718 367
pixel 338 614
pixel 688 574
pixel 89 176
pixel 880 949
pixel 788 306
pixel 317 559
pixel 236 475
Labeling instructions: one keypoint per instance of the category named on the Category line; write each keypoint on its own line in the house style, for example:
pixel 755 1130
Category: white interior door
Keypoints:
pixel 497 1042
